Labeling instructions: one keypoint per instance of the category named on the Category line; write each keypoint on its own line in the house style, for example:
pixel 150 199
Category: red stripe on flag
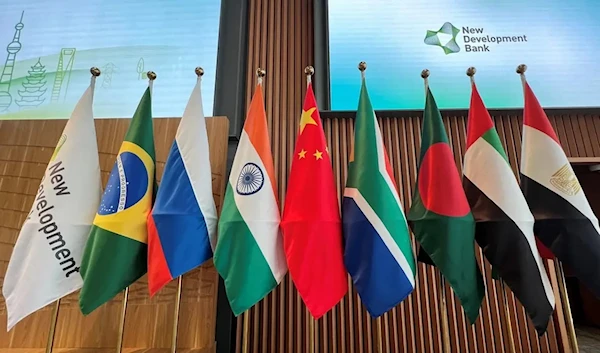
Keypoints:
pixel 388 168
pixel 545 253
pixel 479 118
pixel 534 116
pixel 158 270
pixel 439 183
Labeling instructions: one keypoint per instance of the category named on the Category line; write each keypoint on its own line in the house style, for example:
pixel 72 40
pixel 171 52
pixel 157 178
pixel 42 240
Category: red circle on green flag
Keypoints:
pixel 440 186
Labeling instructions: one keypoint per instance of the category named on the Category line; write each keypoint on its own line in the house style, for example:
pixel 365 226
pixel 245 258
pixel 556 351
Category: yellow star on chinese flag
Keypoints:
pixel 302 154
pixel 307 119
pixel 318 155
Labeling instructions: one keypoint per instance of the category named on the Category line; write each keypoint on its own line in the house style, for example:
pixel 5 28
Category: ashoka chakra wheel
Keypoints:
pixel 251 179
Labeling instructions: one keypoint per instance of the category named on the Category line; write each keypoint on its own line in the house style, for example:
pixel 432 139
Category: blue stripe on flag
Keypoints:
pixel 179 221
pixel 377 276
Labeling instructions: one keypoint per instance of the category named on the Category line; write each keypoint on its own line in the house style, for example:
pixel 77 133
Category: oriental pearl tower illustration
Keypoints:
pixel 13 48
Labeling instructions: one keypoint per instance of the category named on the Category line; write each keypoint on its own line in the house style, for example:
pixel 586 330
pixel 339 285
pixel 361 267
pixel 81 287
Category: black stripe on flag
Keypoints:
pixel 567 232
pixel 507 249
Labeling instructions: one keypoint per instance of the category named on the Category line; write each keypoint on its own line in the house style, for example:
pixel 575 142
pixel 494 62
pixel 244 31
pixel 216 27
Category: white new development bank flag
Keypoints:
pixel 44 265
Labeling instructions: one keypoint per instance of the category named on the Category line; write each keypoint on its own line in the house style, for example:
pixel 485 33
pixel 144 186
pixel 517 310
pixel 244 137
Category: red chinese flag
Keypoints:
pixel 312 229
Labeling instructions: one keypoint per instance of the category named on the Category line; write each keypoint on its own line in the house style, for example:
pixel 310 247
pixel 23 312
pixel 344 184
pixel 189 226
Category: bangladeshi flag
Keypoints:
pixel 311 224
pixel 440 216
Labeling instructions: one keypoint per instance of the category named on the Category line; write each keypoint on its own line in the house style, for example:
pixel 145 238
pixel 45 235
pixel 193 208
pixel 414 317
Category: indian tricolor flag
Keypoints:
pixel 249 253
pixel 564 220
pixel 504 224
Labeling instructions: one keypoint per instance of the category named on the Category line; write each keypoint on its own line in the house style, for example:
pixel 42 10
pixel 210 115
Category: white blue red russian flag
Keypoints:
pixel 182 225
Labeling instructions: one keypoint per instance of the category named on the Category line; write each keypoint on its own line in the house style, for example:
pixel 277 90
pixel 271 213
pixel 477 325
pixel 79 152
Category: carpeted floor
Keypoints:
pixel 588 339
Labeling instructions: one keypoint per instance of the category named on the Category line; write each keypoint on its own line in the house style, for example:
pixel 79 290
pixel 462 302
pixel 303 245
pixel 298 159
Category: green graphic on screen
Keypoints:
pixel 50 47
pixel 444 38
pixel 557 40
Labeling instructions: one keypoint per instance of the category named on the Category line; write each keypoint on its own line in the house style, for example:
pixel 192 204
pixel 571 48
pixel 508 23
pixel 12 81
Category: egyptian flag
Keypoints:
pixel 504 224
pixel 564 221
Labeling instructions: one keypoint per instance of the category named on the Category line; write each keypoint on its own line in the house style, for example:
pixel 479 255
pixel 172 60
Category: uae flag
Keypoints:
pixel 504 224
pixel 564 221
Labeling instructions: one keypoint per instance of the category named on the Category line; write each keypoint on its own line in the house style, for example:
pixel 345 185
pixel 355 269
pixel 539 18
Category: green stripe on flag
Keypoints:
pixel 491 136
pixel 239 260
pixel 141 131
pixel 111 271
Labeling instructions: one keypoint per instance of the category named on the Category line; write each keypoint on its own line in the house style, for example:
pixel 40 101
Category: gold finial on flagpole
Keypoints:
pixel 362 67
pixel 95 71
pixel 260 73
pixel 521 71
pixel 425 77
pixel 471 73
pixel 309 71
pixel 151 75
pixel 199 71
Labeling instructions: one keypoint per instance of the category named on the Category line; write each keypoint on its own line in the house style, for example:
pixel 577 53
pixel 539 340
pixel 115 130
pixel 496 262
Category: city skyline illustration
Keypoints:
pixel 44 69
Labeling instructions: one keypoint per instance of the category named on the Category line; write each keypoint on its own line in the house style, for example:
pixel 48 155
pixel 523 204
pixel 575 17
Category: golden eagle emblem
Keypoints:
pixel 565 180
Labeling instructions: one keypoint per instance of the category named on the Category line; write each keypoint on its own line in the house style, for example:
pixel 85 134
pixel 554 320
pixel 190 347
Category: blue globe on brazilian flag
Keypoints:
pixel 115 255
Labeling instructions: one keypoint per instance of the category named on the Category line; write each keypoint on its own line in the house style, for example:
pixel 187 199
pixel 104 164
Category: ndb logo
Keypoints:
pixel 475 39
pixel 444 38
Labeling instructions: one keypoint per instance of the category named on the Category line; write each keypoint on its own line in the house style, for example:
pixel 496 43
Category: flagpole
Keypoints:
pixel 442 286
pixel 444 315
pixel 309 71
pixel 562 287
pixel 122 323
pixel 177 310
pixel 471 71
pixel 511 339
pixel 50 342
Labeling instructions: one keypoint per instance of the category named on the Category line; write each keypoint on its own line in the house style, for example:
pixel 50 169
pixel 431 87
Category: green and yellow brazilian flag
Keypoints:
pixel 116 251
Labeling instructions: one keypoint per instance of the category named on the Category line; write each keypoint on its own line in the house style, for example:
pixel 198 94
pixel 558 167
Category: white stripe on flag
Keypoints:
pixel 192 141
pixel 384 234
pixel 259 210
pixel 541 158
pixel 381 163
pixel 491 174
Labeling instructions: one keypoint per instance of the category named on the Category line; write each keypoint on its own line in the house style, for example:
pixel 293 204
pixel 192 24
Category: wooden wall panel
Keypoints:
pixel 281 41
pixel 25 149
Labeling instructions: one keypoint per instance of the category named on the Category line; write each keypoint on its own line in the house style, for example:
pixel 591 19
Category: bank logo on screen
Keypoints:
pixel 444 38
pixel 475 39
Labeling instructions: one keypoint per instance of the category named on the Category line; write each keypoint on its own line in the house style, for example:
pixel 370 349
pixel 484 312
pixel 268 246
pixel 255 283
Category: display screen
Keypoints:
pixel 47 49
pixel 558 40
